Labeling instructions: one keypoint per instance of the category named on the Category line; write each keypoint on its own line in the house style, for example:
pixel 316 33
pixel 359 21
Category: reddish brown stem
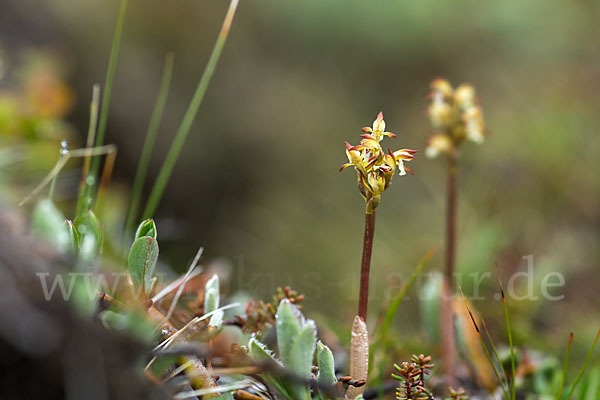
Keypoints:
pixel 447 323
pixel 365 267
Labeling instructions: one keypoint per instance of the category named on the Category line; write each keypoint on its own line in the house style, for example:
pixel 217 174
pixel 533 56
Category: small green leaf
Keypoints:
pixel 216 320
pixel 288 326
pixel 90 235
pixel 301 356
pixel 303 350
pixel 259 352
pixel 146 228
pixel 73 236
pixel 211 294
pixel 47 222
pixel 326 375
pixel 142 261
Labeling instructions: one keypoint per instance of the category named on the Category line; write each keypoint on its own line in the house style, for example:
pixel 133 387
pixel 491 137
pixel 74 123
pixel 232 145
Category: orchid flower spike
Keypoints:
pixel 374 166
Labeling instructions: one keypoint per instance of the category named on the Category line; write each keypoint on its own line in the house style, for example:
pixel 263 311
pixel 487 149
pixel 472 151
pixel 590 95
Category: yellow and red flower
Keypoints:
pixel 375 167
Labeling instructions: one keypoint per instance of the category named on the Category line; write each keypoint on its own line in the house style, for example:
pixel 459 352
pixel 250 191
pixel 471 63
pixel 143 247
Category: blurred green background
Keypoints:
pixel 258 182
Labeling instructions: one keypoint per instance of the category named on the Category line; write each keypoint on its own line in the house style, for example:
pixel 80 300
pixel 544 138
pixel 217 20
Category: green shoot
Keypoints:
pixel 391 310
pixel 397 301
pixel 83 198
pixel 564 370
pixel 142 169
pixel 583 367
pixel 487 332
pixel 108 85
pixel 189 116
pixel 485 349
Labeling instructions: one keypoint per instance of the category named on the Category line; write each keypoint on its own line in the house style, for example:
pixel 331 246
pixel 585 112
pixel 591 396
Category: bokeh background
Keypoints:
pixel 258 184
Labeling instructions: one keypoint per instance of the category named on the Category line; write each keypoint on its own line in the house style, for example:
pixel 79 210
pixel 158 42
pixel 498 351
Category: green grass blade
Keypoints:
pixel 83 195
pixel 142 169
pixel 393 308
pixel 108 85
pixel 495 350
pixel 485 349
pixel 510 341
pixel 583 367
pixel 564 370
pixel 190 115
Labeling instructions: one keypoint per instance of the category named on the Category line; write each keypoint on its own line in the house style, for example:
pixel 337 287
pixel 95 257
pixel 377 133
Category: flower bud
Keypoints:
pixel 474 125
pixel 438 143
pixel 440 112
pixel 442 86
pixel 465 96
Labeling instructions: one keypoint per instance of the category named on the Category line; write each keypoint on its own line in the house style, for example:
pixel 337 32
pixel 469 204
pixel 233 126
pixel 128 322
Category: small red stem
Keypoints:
pixel 365 267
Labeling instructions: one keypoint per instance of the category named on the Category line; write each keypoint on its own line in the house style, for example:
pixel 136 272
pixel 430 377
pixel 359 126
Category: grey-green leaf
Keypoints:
pixel 259 352
pixel 216 320
pixel 142 262
pixel 288 326
pixel 211 294
pixel 303 350
pixel 146 228
pixel 326 364
pixel 301 357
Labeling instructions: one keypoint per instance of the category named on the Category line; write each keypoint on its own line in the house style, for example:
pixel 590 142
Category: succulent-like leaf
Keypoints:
pixel 142 261
pixel 47 222
pixel 303 350
pixel 326 364
pixel 216 321
pixel 198 375
pixel 259 352
pixel 301 356
pixel 211 294
pixel 288 321
pixel 146 228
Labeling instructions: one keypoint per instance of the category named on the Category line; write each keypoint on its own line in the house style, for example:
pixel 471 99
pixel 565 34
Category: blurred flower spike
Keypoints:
pixel 455 116
pixel 374 166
